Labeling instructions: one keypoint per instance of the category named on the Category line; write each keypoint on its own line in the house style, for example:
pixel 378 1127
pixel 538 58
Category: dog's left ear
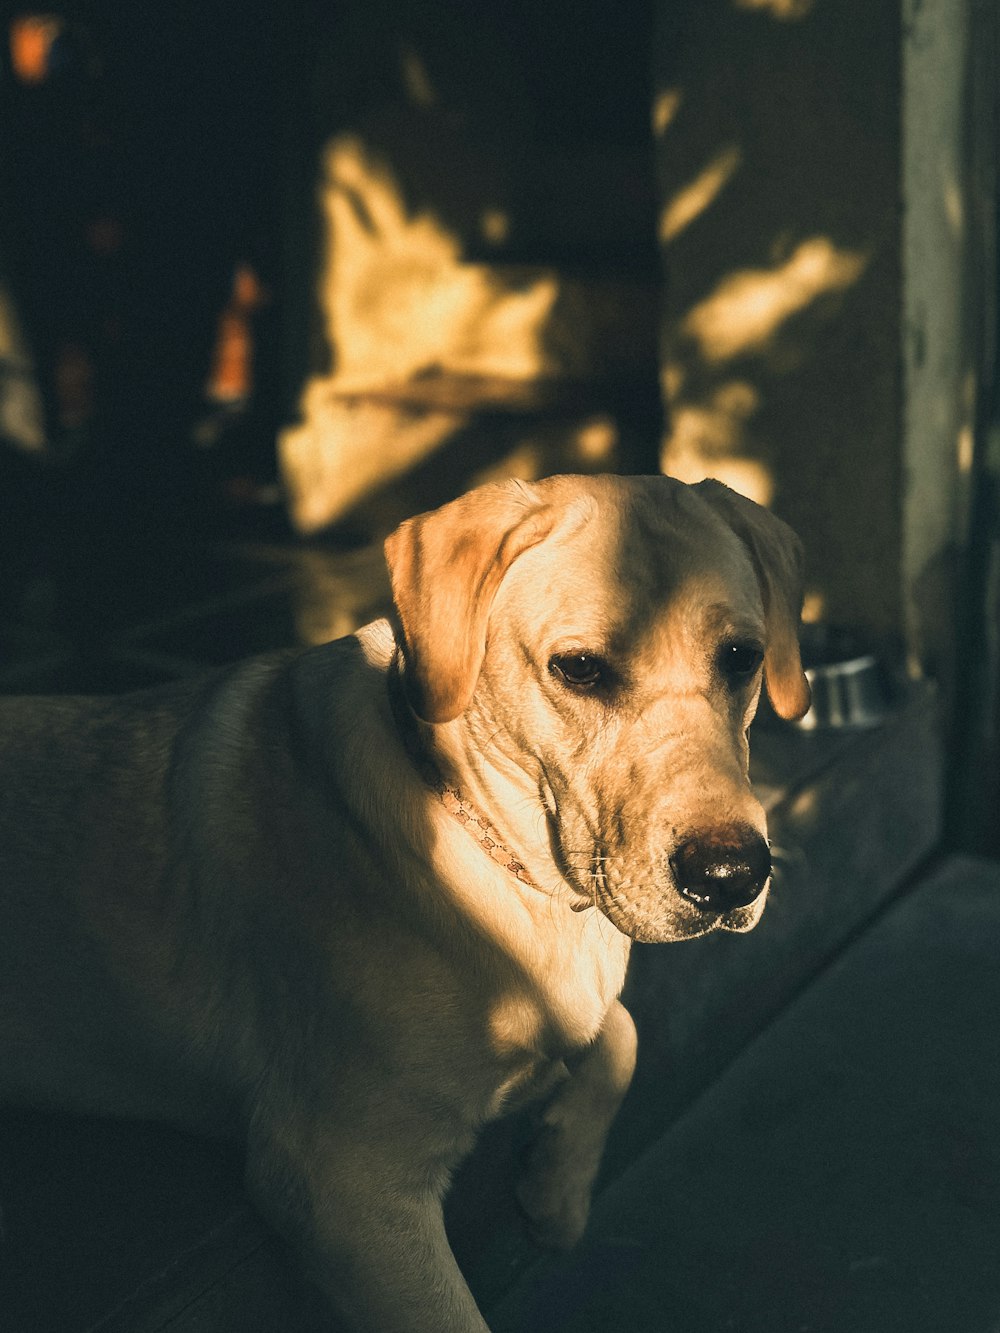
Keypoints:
pixel 446 567
pixel 776 553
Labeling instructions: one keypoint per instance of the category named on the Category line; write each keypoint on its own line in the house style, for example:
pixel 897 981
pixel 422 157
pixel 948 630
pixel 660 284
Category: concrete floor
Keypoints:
pixel 842 1176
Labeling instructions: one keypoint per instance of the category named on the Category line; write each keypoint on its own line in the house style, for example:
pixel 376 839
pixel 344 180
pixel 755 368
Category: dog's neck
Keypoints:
pixel 453 800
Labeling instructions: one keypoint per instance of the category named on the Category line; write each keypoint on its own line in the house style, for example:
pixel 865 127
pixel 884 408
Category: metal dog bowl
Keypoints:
pixel 845 694
pixel 848 686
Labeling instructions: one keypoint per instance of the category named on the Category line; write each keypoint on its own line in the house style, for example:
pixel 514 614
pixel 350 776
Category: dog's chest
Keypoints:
pixel 551 973
pixel 556 989
pixel 536 1021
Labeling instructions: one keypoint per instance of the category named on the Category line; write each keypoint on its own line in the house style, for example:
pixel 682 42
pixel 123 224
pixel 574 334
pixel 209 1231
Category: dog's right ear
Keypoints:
pixel 445 568
pixel 776 553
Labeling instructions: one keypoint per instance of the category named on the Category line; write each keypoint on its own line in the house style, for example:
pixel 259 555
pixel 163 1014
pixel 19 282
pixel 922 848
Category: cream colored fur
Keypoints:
pixel 235 904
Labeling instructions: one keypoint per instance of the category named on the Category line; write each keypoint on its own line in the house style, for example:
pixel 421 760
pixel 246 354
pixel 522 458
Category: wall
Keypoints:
pixel 939 301
pixel 810 156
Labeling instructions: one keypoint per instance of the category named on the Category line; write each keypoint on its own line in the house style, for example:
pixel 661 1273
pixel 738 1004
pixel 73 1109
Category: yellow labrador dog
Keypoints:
pixel 352 904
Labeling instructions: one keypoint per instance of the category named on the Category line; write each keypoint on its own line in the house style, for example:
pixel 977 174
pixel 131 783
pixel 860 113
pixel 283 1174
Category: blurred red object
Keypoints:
pixel 32 37
pixel 231 377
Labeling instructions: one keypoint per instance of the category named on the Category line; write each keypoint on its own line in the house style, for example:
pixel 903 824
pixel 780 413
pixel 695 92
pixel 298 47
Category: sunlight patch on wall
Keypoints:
pixel 494 224
pixel 666 105
pixel 785 11
pixel 585 446
pixel 748 307
pixel 346 448
pixel 748 476
pixel 597 439
pixel 399 301
pixel 965 451
pixel 523 462
pixel 708 439
pixel 417 82
pixel 968 398
pixel 22 415
pixel 692 200
pixel 335 592
pixel 954 206
pixel 420 338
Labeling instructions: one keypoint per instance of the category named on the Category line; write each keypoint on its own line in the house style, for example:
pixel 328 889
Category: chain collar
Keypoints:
pixel 453 801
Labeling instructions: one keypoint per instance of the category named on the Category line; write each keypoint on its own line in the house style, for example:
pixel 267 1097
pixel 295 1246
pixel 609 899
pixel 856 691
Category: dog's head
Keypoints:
pixel 606 638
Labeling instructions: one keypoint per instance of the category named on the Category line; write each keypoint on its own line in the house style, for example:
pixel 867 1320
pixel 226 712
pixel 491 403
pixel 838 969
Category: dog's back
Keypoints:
pixel 87 867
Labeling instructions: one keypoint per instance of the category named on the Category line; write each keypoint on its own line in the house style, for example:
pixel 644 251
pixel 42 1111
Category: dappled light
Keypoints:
pixel 22 416
pixel 711 432
pixel 965 448
pixel 804 804
pixel 708 437
pixel 399 300
pixel 336 593
pixel 399 304
pixel 281 286
pixel 785 11
pixel 968 397
pixel 416 80
pixel 813 607
pixel 596 439
pixel 421 339
pixel 494 224
pixel 346 448
pixel 590 444
pixel 778 157
pixel 666 104
pixel 746 318
pixel 784 273
pixel 691 200
pixel 954 206
pixel 749 306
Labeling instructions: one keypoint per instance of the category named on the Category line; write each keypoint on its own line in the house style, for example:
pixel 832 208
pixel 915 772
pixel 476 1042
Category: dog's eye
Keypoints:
pixel 738 662
pixel 581 671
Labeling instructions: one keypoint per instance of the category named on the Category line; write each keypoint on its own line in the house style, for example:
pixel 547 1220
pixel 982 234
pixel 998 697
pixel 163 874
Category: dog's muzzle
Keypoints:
pixel 722 870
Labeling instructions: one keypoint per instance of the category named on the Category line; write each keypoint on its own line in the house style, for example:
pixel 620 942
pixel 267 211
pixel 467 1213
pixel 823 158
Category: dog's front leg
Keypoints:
pixel 372 1239
pixel 563 1161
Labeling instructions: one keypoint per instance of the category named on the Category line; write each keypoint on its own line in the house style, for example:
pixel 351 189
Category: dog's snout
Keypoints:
pixel 722 870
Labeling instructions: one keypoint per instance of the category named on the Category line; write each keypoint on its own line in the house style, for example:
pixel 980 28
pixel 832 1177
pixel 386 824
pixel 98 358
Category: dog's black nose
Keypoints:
pixel 722 869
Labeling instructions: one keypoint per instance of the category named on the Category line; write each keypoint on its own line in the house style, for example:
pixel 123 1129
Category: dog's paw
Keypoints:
pixel 554 1194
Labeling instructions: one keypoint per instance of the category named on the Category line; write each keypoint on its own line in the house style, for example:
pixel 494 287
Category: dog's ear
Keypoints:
pixel 445 568
pixel 776 553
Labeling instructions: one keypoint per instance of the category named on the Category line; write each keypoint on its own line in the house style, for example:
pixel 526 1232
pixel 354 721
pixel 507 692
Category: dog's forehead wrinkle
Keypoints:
pixel 721 618
pixel 614 556
pixel 653 617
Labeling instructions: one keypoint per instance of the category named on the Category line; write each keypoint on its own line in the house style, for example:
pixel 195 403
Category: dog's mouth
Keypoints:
pixel 666 926
pixel 743 919
pixel 653 910
pixel 655 915
pixel 594 892
pixel 657 927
